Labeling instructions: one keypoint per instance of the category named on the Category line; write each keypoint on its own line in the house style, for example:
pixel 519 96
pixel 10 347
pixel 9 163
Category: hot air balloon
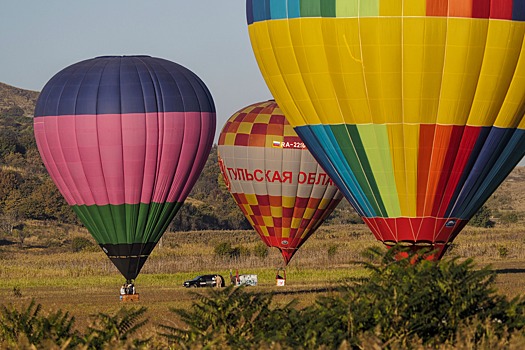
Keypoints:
pixel 280 188
pixel 413 107
pixel 124 139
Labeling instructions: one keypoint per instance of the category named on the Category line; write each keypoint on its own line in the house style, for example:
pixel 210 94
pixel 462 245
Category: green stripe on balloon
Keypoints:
pixel 357 160
pixel 127 223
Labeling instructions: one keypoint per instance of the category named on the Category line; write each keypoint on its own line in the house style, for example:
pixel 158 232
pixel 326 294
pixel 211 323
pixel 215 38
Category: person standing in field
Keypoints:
pixel 122 291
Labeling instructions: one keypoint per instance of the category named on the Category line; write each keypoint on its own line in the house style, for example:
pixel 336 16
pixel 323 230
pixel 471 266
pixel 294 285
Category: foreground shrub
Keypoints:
pixel 29 329
pixel 116 331
pixel 29 326
pixel 229 317
pixel 415 297
pixel 406 303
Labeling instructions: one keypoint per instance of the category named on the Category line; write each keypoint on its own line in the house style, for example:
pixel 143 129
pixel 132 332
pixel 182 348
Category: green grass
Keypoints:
pixel 86 282
pixel 13 276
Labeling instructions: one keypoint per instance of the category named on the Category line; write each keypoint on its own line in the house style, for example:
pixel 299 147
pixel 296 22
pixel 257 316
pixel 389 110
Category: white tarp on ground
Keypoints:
pixel 247 280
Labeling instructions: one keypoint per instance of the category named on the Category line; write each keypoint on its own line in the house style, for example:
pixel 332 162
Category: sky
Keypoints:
pixel 209 37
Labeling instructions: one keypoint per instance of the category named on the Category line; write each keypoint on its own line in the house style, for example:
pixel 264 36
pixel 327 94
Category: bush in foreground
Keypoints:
pixel 410 303
pixel 415 297
pixel 29 329
pixel 30 326
pixel 407 303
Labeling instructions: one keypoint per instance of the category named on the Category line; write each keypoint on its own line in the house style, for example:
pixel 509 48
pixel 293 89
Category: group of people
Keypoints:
pixel 127 288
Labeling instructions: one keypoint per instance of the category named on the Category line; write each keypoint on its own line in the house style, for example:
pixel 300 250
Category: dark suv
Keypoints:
pixel 203 281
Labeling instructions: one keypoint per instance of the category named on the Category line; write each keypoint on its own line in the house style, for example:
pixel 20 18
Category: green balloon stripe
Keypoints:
pixel 357 160
pixel 127 223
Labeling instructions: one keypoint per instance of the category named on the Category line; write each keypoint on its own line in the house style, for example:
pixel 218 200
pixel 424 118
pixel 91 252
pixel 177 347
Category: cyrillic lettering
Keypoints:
pixel 302 177
pixel 257 178
pixel 287 176
pixel 311 178
pixel 320 178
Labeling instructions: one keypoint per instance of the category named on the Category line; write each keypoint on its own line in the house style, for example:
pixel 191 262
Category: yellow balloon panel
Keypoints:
pixel 382 70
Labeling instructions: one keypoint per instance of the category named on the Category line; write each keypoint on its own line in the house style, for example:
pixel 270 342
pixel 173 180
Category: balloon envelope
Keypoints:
pixel 414 108
pixel 124 139
pixel 279 186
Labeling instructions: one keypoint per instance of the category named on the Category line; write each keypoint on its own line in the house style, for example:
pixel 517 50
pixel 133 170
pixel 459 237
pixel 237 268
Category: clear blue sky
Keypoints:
pixel 209 37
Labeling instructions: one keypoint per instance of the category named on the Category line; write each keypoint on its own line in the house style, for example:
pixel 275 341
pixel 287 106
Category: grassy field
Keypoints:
pixel 86 283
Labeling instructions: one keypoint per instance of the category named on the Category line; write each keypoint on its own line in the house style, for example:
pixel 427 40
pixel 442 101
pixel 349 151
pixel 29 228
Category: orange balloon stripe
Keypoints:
pixel 451 154
pixel 437 8
pixel 439 152
pixel 460 8
pixel 426 140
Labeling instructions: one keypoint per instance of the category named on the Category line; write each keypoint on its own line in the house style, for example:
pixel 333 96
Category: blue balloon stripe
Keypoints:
pixel 488 172
pixel 278 9
pixel 505 161
pixel 294 9
pixel 323 145
pixel 110 85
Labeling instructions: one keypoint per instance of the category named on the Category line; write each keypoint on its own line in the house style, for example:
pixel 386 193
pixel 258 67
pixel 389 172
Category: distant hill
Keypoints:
pixel 17 102
pixel 209 205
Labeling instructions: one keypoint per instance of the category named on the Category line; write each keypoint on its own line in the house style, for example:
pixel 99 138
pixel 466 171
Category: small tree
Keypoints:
pixel 223 249
pixel 14 212
pixel 482 218
pixel 260 250
pixel 331 250
pixel 226 250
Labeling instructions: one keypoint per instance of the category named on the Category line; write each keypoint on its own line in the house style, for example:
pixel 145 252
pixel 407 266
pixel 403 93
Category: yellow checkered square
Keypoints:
pixel 277 212
pixel 244 128
pixel 296 222
pixel 268 221
pixel 251 199
pixel 263 118
pixel 263 230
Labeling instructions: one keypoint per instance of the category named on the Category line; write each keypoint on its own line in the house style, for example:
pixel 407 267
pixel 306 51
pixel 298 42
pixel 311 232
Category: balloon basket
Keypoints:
pixel 126 298
pixel 280 280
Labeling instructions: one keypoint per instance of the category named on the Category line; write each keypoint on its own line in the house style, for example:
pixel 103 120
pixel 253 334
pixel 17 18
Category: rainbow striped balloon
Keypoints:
pixel 413 107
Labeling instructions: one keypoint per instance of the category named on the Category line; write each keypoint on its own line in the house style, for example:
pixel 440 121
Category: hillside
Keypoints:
pixel 209 206
pixel 17 102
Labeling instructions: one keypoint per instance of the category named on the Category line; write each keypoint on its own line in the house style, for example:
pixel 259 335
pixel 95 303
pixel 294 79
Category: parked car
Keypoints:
pixel 203 281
